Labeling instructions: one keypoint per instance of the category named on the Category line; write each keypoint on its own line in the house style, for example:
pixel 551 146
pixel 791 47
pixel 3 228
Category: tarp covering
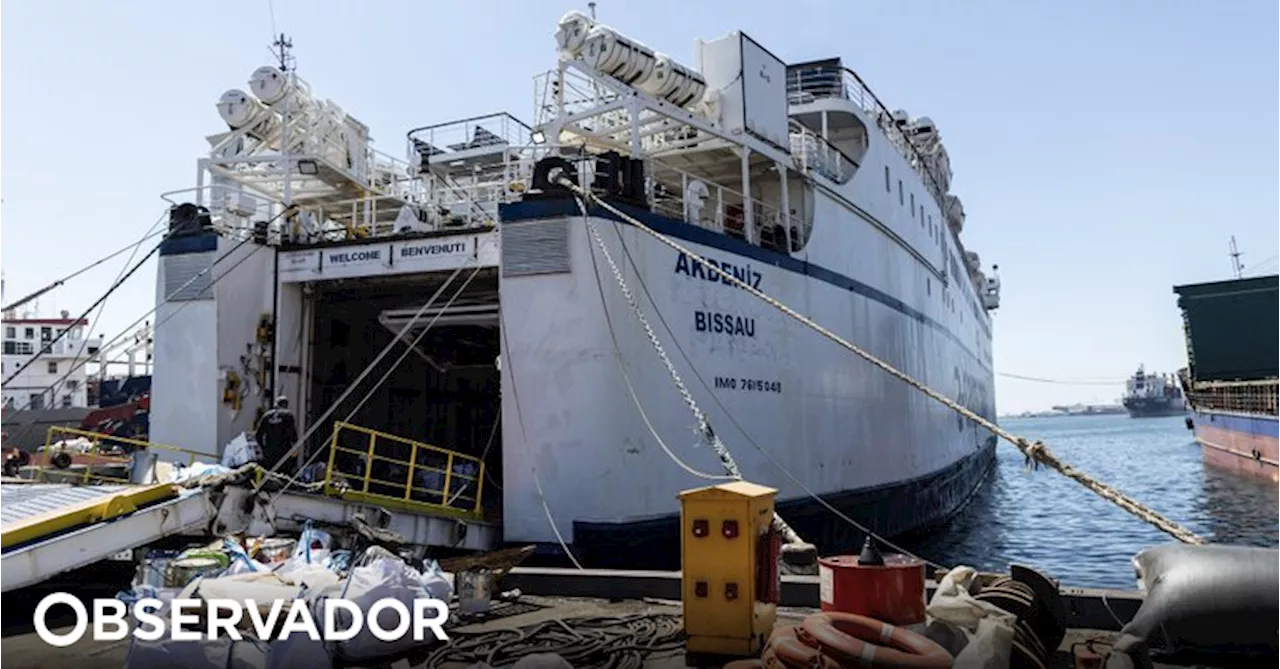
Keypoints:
pixel 1231 328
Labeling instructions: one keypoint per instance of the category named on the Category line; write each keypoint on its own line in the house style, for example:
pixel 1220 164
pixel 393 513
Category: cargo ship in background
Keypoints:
pixel 1152 395
pixel 1230 379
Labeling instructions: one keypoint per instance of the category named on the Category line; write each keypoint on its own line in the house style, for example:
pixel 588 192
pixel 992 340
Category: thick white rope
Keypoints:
pixel 789 535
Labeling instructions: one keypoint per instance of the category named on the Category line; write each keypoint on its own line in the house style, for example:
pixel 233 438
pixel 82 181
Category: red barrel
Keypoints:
pixel 889 588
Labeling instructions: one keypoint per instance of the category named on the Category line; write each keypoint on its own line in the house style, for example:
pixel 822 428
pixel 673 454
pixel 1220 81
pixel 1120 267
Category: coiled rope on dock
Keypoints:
pixel 593 641
pixel 1036 452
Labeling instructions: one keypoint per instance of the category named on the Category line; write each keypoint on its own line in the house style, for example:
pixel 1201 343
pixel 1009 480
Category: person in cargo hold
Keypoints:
pixel 277 432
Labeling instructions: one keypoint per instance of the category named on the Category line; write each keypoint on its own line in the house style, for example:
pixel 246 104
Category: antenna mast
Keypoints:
pixel 591 6
pixel 281 48
pixel 1237 267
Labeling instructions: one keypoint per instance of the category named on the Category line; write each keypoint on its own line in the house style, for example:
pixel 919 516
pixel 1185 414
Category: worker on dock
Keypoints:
pixel 12 459
pixel 277 432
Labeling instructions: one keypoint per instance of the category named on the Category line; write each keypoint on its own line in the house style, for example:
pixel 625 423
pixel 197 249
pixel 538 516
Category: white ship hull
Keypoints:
pixel 793 177
pixel 844 429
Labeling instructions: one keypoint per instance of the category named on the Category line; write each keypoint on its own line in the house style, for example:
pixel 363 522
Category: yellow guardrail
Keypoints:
pixel 99 455
pixel 389 470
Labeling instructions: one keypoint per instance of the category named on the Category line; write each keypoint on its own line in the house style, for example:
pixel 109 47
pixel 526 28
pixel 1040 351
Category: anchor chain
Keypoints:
pixel 1036 452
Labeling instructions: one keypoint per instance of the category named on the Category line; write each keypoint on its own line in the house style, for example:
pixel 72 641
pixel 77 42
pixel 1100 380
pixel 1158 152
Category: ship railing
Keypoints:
pixel 472 201
pixel 384 469
pixel 673 193
pixel 814 154
pixel 806 85
pixel 568 93
pixel 106 457
pixel 1245 397
pixel 461 143
pixel 466 166
pixel 236 205
pixel 314 168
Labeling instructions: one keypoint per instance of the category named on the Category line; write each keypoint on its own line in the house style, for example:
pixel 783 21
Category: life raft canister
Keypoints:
pixel 856 640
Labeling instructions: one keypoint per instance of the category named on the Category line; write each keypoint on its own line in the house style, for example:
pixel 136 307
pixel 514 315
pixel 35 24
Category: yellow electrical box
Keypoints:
pixel 729 559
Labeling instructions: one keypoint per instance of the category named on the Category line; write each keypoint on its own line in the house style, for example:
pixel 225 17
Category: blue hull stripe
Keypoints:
pixel 537 209
pixel 1262 426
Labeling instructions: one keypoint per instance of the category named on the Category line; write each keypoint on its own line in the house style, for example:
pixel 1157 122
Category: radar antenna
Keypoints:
pixel 1237 267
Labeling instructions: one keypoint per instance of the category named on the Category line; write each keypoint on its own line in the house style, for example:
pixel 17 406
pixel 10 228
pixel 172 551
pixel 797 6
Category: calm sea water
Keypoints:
pixel 1046 520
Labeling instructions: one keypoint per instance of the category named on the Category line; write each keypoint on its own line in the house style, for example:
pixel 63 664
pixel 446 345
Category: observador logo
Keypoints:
pixel 201 619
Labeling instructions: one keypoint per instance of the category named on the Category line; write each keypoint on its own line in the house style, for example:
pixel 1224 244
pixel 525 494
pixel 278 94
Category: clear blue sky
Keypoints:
pixel 1104 150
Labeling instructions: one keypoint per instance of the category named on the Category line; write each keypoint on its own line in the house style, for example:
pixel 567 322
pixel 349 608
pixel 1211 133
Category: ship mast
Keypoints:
pixel 1237 267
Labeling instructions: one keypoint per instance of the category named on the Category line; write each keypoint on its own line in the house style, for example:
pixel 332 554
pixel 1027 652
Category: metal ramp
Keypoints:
pixel 52 528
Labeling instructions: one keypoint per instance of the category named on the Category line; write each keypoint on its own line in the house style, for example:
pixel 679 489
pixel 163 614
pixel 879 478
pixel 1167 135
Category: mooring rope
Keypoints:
pixel 1035 452
pixel 789 535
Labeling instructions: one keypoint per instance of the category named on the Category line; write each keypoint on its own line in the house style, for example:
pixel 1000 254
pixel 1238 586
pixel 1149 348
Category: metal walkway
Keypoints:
pixel 49 529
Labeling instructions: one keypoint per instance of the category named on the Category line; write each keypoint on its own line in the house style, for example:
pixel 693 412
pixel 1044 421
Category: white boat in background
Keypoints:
pixel 792 178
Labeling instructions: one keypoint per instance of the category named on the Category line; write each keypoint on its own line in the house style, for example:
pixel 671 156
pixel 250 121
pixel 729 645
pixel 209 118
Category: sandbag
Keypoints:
pixel 241 451
pixel 437 584
pixel 986 628
pixel 1215 598
pixel 383 579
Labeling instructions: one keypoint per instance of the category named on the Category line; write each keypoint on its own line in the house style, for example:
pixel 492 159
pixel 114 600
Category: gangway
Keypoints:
pixel 51 528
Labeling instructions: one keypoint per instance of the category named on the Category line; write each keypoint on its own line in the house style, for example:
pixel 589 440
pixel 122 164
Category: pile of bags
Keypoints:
pixel 314 572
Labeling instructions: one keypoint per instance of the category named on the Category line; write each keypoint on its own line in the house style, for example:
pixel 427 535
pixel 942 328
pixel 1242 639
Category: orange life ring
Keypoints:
pixel 787 651
pixel 856 640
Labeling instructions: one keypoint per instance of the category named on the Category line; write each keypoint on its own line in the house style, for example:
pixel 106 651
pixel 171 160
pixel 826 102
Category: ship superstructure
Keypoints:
pixel 1148 395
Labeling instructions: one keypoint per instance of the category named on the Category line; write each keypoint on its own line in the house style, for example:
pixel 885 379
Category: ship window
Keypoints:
pixel 66 401
pixel 913 205
pixel 11 333
pixel 901 199
pixel 28 333
pixel 887 187
pixel 35 402
pixel 928 286
pixel 46 334
pixel 53 367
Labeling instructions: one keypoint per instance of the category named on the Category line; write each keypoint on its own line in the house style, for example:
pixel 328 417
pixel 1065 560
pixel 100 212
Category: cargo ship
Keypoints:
pixel 1230 378
pixel 1152 395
